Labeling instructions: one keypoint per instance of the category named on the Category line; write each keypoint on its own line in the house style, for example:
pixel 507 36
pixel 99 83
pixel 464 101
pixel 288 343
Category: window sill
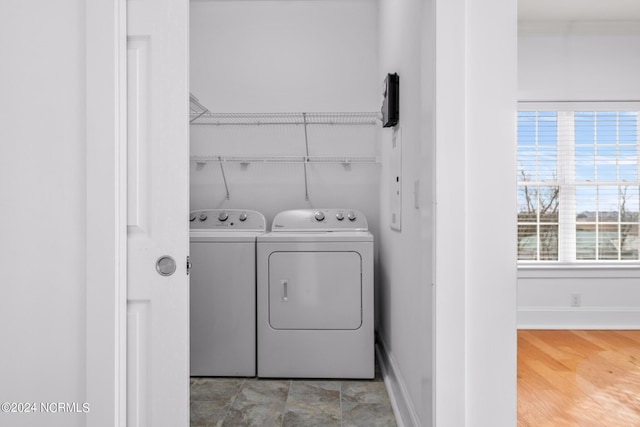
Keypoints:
pixel 579 270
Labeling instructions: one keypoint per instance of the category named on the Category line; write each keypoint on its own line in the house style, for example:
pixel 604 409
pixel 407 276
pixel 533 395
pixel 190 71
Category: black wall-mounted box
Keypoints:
pixel 391 101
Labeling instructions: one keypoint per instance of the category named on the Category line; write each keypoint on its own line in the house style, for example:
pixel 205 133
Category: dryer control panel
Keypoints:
pixel 320 220
pixel 227 219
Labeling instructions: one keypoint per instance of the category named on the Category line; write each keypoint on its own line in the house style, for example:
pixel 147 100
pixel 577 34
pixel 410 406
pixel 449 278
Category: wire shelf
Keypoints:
pixel 285 159
pixel 200 115
pixel 230 119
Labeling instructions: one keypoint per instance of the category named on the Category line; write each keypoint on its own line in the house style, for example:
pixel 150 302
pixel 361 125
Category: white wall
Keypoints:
pixel 285 56
pixel 609 298
pixel 489 204
pixel 599 64
pixel 457 67
pixel 43 216
pixel 405 256
pixel 574 67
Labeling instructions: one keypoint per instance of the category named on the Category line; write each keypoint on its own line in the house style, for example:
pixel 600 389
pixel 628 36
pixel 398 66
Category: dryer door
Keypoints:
pixel 315 290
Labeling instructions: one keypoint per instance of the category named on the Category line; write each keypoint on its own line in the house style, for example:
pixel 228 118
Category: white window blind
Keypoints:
pixel 578 184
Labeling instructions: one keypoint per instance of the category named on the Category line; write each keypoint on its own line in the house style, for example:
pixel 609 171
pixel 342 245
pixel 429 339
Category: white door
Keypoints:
pixel 158 234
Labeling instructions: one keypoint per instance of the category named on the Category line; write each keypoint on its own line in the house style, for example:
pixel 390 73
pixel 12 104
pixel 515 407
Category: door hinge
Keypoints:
pixel 189 265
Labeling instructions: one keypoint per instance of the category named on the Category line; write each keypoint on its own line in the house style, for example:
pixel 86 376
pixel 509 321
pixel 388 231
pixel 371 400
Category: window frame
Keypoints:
pixel 565 162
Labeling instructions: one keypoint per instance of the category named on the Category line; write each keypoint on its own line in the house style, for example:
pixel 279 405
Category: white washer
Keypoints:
pixel 315 296
pixel 223 291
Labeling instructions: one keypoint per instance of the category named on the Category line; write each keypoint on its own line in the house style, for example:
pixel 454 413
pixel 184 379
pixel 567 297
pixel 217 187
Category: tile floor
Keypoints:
pixel 238 402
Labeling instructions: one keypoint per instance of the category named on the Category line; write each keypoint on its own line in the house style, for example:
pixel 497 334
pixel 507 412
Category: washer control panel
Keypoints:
pixel 320 220
pixel 227 219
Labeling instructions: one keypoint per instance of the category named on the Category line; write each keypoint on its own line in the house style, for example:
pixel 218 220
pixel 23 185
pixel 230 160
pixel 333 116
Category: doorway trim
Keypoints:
pixel 106 210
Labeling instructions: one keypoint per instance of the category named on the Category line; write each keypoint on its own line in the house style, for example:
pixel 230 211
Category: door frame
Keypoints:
pixel 106 210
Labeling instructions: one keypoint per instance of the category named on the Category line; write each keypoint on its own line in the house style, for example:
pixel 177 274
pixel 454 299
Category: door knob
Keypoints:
pixel 166 265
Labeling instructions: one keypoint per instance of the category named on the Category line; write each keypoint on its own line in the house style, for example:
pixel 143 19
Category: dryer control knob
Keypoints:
pixel 351 216
pixel 192 217
pixel 339 216
pixel 223 216
pixel 203 217
pixel 243 216
pixel 319 216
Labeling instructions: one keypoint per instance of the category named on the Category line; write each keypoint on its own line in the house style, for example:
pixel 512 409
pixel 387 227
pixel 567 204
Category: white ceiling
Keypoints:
pixel 579 10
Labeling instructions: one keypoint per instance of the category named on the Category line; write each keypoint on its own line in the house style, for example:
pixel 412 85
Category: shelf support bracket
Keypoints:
pixel 224 177
pixel 199 107
pixel 306 158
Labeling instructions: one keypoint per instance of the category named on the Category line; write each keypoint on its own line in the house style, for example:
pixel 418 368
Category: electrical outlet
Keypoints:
pixel 576 300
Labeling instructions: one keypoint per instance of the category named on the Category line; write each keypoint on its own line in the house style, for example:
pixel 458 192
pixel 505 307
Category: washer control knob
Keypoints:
pixel 192 217
pixel 223 216
pixel 202 217
pixel 339 216
pixel 243 216
pixel 319 216
pixel 352 216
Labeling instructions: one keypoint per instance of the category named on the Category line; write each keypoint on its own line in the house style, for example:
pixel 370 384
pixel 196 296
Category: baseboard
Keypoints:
pixel 401 403
pixel 578 318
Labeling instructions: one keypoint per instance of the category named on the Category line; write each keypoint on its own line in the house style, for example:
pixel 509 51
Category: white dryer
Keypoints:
pixel 315 296
pixel 223 291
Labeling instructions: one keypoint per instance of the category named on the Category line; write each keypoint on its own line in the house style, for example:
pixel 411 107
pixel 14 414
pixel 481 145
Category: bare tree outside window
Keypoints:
pixel 538 221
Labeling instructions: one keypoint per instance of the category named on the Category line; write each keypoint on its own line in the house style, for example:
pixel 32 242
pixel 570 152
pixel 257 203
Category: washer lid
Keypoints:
pixel 227 220
pixel 315 220
pixel 214 236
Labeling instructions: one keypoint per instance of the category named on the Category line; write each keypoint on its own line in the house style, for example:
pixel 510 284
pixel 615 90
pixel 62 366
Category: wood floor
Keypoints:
pixel 578 378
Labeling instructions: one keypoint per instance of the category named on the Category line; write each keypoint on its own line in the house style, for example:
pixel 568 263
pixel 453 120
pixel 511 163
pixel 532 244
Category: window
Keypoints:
pixel 578 184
